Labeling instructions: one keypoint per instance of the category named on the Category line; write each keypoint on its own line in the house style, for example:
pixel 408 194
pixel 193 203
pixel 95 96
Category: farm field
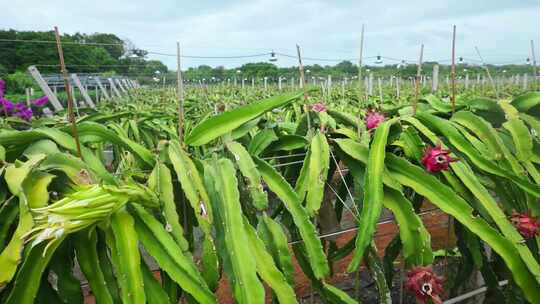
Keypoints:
pixel 269 152
pixel 273 195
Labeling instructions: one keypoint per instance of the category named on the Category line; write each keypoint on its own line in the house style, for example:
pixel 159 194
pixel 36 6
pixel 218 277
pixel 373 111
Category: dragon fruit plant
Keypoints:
pixel 250 192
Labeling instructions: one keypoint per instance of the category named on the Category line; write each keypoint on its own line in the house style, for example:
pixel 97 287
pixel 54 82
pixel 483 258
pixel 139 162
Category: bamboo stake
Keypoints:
pixel 417 82
pixel 71 115
pixel 453 73
pixel 533 64
pixel 180 95
pixel 303 84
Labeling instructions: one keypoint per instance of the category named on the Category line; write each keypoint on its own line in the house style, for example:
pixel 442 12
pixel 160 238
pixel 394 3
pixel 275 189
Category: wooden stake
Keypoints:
pixel 533 64
pixel 180 94
pixel 453 73
pixel 417 82
pixel 303 85
pixel 379 84
pixel 360 87
pixel 71 115
pixel 27 91
pixel 370 84
pixel 435 79
pixel 398 80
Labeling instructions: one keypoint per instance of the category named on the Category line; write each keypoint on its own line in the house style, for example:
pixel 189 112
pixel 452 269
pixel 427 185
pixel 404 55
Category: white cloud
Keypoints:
pixel 324 29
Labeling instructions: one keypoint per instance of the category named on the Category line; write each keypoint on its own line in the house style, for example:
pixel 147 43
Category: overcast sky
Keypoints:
pixel 502 29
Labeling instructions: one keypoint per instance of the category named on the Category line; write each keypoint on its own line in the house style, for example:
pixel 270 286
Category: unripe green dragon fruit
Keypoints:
pixel 86 206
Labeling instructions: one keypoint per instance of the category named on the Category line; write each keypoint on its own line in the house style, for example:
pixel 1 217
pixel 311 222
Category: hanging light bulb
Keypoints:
pixel 379 60
pixel 273 57
pixel 460 59
pixel 528 61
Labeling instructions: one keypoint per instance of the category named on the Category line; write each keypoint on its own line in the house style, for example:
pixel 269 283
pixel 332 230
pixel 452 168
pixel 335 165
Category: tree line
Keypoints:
pixel 98 52
pixel 344 69
pixel 84 53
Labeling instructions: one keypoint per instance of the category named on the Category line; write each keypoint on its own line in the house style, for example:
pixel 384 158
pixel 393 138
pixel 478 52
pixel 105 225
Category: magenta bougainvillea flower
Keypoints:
pixel 6 105
pixel 527 225
pixel 424 284
pixel 19 106
pixel 18 110
pixel 40 102
pixel 319 107
pixel 373 119
pixel 25 114
pixel 436 159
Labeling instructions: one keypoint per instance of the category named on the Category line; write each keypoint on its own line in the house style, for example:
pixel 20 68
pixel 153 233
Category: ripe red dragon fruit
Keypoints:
pixel 424 284
pixel 373 119
pixel 527 225
pixel 319 107
pixel 436 159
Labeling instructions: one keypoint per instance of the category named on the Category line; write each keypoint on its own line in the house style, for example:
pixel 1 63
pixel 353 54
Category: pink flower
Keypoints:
pixel 6 105
pixel 436 159
pixel 19 106
pixel 373 119
pixel 318 107
pixel 25 114
pixel 41 101
pixel 526 224
pixel 424 284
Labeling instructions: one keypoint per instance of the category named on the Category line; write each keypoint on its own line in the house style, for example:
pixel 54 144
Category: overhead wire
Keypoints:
pixel 256 55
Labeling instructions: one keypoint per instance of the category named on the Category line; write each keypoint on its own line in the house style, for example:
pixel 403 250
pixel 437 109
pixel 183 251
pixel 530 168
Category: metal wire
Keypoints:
pixel 392 220
pixel 344 203
pixel 54 42
pixel 287 164
pixel 249 55
pixel 211 57
pixel 283 156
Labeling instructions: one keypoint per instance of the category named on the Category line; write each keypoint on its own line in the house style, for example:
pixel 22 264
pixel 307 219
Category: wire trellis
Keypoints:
pixel 264 54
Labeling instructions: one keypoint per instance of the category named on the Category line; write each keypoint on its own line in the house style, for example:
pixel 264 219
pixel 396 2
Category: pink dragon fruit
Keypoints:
pixel 424 284
pixel 373 119
pixel 319 107
pixel 437 159
pixel 527 225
